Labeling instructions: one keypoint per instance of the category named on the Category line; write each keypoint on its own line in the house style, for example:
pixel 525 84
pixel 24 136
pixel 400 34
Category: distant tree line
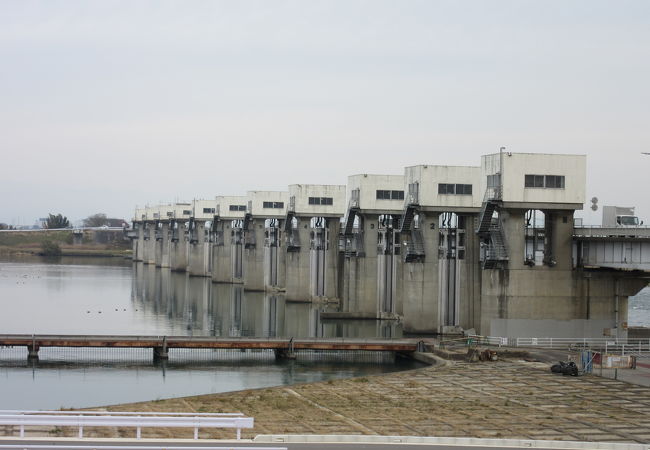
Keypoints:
pixel 57 221
pixel 101 219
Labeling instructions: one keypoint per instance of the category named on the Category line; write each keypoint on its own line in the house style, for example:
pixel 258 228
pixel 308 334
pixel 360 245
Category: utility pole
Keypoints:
pixel 501 171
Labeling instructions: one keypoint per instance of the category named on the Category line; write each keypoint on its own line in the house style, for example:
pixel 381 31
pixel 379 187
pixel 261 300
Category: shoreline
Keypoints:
pixel 510 398
pixel 101 253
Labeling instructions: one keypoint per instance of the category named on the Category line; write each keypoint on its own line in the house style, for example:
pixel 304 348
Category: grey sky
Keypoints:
pixel 105 105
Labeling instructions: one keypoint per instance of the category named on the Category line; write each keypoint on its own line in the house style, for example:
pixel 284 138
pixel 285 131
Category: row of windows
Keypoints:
pixel 544 181
pixel 321 201
pixel 531 181
pixel 457 189
pixel 390 195
pixel 275 205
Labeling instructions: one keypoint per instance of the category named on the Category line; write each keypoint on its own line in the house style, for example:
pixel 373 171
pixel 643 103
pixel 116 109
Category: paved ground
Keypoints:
pixel 505 399
pixel 429 444
pixel 508 399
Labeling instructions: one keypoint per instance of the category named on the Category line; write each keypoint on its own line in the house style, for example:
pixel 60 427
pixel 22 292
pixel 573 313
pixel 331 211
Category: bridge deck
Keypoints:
pixel 38 341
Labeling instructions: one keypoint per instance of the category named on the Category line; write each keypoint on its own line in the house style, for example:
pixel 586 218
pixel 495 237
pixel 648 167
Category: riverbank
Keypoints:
pixel 503 399
pixel 81 250
pixel 90 243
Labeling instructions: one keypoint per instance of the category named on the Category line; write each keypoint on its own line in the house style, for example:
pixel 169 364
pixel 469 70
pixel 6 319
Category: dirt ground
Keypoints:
pixel 505 399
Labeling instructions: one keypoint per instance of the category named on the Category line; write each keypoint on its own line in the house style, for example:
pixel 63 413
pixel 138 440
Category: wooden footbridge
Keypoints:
pixel 283 347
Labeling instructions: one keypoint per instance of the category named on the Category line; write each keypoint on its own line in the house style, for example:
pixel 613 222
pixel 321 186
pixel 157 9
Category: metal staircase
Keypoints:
pixel 490 230
pixel 414 249
pixel 410 207
pixel 496 252
pixel 351 213
pixel 485 219
pixel 352 246
pixel 407 218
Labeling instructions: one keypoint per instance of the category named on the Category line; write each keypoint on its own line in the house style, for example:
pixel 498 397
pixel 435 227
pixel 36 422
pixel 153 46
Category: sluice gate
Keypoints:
pixel 492 247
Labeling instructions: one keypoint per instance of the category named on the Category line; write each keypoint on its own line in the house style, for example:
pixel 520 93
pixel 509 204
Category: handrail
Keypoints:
pixel 607 345
pixel 102 446
pixel 82 420
pixel 114 413
pixel 160 338
pixel 612 227
pixel 492 193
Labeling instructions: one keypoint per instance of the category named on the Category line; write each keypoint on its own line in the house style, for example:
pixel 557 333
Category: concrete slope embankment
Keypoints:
pixel 504 399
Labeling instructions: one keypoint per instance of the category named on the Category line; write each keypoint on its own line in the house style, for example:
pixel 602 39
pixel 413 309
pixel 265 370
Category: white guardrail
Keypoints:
pixel 75 229
pixel 125 447
pixel 137 420
pixel 607 345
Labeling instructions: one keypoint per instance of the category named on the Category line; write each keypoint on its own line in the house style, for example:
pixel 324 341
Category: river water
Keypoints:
pixel 115 296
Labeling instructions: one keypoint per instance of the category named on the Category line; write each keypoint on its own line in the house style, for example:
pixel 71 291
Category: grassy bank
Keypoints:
pixel 98 243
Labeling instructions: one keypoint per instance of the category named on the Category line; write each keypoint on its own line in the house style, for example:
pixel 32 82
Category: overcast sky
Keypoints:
pixel 112 104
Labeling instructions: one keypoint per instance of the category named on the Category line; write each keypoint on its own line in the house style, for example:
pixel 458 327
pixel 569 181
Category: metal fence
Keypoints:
pixel 639 347
pixel 137 420
pixel 104 446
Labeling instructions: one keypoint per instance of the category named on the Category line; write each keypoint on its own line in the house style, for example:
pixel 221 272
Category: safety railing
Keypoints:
pixel 594 231
pixel 105 446
pixel 607 345
pixel 137 420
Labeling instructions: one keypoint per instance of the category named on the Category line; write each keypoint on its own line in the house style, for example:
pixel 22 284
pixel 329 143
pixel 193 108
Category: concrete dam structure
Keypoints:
pixel 442 249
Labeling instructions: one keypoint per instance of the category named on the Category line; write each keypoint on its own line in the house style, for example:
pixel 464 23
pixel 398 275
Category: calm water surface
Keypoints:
pixel 114 296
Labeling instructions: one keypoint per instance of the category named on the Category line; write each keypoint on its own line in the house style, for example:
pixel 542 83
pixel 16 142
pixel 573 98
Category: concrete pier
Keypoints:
pixel 228 240
pixel 200 237
pixel 149 254
pixel 311 230
pixel 159 238
pixel 370 196
pixel 264 209
pixel 138 230
pixel 442 249
pixel 274 255
pixel 178 251
pixel 178 247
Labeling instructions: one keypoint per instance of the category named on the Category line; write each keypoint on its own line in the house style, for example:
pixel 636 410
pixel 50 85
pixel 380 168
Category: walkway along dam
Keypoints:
pixel 161 344
pixel 493 248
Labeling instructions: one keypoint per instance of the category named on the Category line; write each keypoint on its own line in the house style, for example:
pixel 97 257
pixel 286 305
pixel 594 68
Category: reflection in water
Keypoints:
pixel 84 297
pixel 196 306
pixel 51 385
pixel 112 296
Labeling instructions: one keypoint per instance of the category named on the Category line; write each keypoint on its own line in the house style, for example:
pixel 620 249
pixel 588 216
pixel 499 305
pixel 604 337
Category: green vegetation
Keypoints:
pixel 57 221
pixel 35 237
pixel 101 219
pixel 50 248
pixel 104 243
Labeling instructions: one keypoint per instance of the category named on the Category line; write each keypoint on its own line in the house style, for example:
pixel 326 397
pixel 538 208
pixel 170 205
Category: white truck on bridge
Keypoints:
pixel 620 216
